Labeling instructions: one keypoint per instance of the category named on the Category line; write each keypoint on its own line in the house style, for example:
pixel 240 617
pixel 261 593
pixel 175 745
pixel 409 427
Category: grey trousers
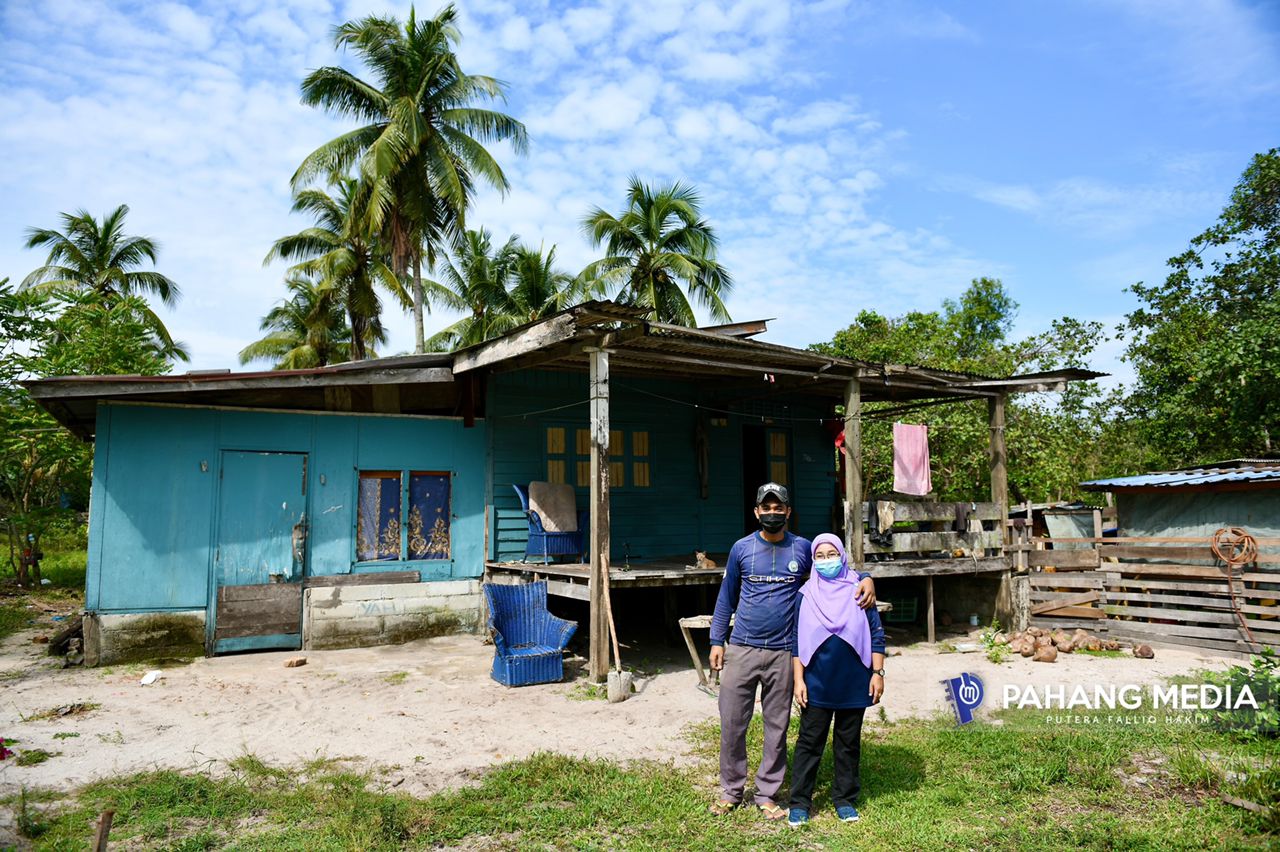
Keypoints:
pixel 745 669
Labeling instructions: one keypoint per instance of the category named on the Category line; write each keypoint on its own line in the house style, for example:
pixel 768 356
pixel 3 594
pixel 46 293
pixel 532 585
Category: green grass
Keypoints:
pixel 13 617
pixel 33 756
pixel 926 785
pixel 65 569
pixel 396 678
pixel 65 572
pixel 1111 655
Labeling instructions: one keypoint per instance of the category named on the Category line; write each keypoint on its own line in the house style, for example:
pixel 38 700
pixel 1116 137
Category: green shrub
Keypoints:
pixel 1262 676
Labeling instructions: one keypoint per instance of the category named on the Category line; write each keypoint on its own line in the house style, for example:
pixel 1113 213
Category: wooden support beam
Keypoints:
pixel 531 339
pixel 853 482
pixel 107 388
pixel 1074 599
pixel 929 624
pixel 598 655
pixel 999 462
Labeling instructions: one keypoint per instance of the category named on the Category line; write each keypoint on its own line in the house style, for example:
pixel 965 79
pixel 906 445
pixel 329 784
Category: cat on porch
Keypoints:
pixel 703 562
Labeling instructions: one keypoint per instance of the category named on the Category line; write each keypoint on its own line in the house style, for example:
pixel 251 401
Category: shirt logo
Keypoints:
pixel 793 566
pixel 767 578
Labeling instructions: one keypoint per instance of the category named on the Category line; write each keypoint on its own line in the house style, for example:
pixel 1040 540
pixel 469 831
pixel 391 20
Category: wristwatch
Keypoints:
pixel 878 671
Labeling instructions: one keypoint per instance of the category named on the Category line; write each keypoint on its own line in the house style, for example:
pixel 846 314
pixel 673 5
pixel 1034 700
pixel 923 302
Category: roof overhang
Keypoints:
pixel 421 384
pixel 637 345
pixel 447 383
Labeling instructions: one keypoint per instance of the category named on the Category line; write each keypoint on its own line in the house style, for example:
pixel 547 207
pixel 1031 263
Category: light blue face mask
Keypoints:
pixel 828 568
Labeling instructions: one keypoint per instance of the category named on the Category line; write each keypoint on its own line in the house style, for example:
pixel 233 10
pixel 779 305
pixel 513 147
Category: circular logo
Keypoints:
pixel 793 566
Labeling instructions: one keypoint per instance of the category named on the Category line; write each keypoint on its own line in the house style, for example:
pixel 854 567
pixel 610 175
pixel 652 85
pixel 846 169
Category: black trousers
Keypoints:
pixel 815 722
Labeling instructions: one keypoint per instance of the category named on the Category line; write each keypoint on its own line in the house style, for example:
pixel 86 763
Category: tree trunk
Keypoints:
pixel 419 339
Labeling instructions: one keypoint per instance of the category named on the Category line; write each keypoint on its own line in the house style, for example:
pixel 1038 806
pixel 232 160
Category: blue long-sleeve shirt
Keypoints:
pixel 836 677
pixel 761 584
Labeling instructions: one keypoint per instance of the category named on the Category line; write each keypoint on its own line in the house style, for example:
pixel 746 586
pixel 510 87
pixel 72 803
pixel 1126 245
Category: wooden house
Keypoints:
pixel 364 503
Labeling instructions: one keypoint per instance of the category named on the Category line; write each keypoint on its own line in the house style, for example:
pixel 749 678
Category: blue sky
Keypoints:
pixel 852 155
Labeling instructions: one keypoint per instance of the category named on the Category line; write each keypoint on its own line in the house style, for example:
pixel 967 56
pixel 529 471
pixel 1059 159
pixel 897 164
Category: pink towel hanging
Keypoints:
pixel 911 459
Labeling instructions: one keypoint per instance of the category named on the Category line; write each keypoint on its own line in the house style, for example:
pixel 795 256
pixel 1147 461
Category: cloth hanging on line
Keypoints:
pixel 911 473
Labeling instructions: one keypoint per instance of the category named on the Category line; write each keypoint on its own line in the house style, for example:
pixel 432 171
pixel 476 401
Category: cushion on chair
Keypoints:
pixel 555 503
pixel 532 651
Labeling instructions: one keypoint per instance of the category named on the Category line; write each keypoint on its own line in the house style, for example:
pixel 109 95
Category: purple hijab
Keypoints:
pixel 829 607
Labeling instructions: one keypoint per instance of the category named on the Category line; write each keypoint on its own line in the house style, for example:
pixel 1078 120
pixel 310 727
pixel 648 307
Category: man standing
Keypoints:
pixel 761 580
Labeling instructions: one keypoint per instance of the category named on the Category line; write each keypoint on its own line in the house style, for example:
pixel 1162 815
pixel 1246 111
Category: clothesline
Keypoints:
pixel 763 418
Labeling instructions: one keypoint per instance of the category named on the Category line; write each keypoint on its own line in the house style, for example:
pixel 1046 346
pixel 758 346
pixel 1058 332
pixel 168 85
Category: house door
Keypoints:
pixel 766 457
pixel 259 560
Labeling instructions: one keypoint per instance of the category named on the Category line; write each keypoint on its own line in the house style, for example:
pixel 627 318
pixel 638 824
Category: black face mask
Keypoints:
pixel 773 522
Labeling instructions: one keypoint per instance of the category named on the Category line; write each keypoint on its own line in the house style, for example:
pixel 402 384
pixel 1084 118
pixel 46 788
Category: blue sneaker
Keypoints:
pixel 797 817
pixel 847 813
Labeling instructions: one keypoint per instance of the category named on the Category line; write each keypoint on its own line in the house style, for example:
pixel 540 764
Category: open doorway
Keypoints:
pixel 766 457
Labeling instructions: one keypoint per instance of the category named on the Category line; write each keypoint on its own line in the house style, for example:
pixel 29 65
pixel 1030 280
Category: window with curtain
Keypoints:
pixel 403 515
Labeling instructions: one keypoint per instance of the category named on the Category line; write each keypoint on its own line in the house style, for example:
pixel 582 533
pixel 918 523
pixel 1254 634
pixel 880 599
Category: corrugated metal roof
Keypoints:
pixel 1183 478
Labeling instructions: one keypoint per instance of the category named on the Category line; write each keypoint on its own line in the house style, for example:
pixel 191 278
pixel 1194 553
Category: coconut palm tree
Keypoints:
pixel 475 280
pixel 538 288
pixel 338 250
pixel 659 253
pixel 99 256
pixel 309 329
pixel 420 146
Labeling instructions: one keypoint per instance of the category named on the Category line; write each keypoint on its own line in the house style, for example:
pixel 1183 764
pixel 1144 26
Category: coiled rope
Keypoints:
pixel 1236 548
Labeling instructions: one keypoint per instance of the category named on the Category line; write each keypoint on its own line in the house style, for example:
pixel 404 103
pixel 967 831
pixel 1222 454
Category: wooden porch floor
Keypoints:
pixel 570 579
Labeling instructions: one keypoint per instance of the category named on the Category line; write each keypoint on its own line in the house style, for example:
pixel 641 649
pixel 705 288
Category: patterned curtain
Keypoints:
pixel 429 516
pixel 378 527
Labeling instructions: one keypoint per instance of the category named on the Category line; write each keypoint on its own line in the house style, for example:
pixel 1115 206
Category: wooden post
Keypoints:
pixel 853 482
pixel 999 463
pixel 102 831
pixel 598 654
pixel 928 593
pixel 1021 603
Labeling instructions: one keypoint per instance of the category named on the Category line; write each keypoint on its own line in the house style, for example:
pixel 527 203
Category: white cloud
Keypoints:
pixel 1215 49
pixel 516 34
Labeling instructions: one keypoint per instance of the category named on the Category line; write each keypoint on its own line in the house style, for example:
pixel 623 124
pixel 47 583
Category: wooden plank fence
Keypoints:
pixel 1161 590
pixel 934 528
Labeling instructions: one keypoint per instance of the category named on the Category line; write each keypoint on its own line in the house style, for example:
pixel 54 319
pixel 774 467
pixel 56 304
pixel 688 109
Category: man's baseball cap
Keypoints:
pixel 778 491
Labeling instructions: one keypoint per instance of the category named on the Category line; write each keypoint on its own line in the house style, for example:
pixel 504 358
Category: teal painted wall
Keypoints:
pixel 669 517
pixel 153 510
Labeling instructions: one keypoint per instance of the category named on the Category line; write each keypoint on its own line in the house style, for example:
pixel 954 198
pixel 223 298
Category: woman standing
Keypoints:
pixel 838 661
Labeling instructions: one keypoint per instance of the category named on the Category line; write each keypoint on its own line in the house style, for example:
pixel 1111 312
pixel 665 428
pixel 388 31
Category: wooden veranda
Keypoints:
pixel 604 339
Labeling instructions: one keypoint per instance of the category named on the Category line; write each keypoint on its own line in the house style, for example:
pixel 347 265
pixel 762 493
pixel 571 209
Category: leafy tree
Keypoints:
pixel 1054 441
pixel 42 465
pixel 100 257
pixel 659 253
pixel 309 329
pixel 498 289
pixel 538 288
pixel 340 253
pixel 1205 343
pixel 475 280
pixel 421 146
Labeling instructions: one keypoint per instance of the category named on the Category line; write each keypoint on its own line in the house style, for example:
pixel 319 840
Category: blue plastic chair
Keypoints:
pixel 548 544
pixel 528 640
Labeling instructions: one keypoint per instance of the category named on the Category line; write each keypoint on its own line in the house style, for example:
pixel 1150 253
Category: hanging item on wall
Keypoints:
pixel 911 474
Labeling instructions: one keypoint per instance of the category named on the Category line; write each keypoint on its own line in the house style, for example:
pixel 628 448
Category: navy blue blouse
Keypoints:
pixel 836 676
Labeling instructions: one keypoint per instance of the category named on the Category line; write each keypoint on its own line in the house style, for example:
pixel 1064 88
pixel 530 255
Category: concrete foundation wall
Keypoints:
pixel 360 616
pixel 110 639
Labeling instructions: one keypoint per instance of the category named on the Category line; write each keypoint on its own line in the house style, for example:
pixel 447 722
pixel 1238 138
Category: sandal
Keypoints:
pixel 772 812
pixel 722 807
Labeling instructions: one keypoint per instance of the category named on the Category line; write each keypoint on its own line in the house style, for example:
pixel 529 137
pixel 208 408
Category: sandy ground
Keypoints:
pixel 425 715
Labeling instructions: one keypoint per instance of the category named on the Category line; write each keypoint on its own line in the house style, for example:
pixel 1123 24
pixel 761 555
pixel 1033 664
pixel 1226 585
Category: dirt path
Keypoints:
pixel 429 708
